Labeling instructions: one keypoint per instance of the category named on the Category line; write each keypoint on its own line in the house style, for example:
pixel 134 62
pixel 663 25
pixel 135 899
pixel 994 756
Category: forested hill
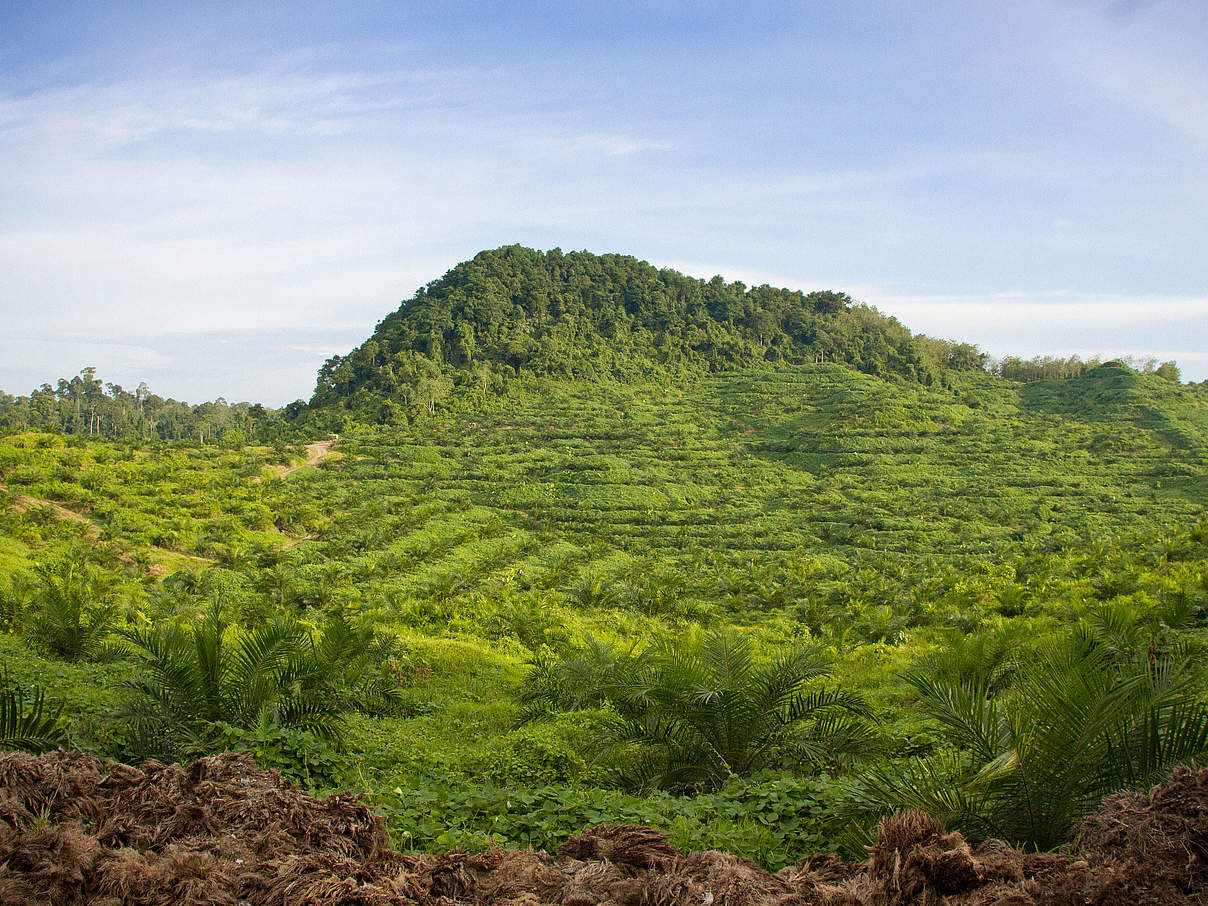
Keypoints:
pixel 576 314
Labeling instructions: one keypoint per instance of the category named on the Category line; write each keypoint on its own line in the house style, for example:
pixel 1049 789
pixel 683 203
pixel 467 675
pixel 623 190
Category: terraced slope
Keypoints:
pixel 582 480
pixel 877 516
pixel 718 491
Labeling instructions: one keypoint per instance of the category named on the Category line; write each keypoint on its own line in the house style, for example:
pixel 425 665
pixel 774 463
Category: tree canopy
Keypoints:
pixel 576 314
pixel 86 405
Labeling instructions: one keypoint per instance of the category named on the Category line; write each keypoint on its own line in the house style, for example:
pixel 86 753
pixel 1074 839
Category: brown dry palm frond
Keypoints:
pixel 221 831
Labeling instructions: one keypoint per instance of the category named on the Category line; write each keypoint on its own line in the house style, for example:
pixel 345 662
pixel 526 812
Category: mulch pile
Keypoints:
pixel 222 832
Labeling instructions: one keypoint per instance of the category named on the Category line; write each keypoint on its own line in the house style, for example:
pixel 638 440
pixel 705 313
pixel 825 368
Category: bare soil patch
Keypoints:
pixel 22 504
pixel 315 453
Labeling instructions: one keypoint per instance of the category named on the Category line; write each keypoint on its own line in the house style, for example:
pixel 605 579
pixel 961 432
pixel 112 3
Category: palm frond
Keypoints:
pixel 695 714
pixel 25 720
pixel 1083 718
pixel 965 708
pixel 939 785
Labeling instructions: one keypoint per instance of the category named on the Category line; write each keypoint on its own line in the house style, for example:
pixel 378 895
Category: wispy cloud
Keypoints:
pixel 1054 309
pixel 1061 323
pixel 287 197
pixel 1148 55
pixel 327 206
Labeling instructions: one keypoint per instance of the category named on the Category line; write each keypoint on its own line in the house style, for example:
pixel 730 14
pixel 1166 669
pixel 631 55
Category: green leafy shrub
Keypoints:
pixel 534 756
pixel 306 758
pixel 772 818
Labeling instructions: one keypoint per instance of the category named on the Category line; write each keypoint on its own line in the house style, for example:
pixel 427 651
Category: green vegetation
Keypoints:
pixel 695 715
pixel 25 721
pixel 193 678
pixel 74 613
pixel 86 405
pixel 1079 721
pixel 601 542
pixel 577 315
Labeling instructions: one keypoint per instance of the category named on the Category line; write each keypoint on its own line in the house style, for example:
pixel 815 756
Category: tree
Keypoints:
pixel 826 302
pixel 1169 371
pixel 691 717
pixel 92 390
pixel 1077 723
pixel 115 412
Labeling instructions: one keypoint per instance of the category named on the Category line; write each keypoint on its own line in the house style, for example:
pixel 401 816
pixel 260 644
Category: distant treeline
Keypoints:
pixel 1047 368
pixel 84 405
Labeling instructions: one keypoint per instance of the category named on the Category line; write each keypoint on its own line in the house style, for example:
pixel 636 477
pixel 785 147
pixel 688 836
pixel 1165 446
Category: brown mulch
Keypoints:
pixel 222 832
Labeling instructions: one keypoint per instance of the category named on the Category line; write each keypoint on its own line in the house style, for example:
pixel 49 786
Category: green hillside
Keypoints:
pixel 578 315
pixel 588 459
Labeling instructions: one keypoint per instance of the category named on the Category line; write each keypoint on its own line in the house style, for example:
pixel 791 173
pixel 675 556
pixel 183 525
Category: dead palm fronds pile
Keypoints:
pixel 74 829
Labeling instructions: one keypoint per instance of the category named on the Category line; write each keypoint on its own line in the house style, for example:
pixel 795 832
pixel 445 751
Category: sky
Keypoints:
pixel 216 197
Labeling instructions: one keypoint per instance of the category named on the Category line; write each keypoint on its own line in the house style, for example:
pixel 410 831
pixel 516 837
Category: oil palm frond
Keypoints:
pixel 26 721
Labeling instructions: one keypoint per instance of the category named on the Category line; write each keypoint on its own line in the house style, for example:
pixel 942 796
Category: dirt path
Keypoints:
pixel 315 453
pixel 93 530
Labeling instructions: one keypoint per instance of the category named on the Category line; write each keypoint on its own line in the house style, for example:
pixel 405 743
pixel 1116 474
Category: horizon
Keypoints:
pixel 216 200
pixel 208 343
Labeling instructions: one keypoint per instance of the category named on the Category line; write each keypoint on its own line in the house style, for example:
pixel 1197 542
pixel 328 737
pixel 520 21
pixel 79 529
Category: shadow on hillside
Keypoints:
pixel 1113 392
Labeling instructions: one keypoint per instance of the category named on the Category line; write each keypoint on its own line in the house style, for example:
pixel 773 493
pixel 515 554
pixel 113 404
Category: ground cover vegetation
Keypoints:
pixel 602 543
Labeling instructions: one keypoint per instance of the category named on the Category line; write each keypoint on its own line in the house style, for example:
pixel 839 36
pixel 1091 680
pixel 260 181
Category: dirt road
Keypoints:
pixel 315 453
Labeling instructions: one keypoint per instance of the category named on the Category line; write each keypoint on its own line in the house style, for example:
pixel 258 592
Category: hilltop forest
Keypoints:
pixel 570 539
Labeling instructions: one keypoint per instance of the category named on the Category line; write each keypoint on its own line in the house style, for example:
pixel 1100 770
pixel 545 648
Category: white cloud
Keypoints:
pixel 1056 309
pixel 80 350
pixel 309 194
pixel 1061 323
pixel 283 198
pixel 338 195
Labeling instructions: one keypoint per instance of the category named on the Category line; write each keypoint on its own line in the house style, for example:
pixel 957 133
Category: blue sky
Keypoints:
pixel 215 197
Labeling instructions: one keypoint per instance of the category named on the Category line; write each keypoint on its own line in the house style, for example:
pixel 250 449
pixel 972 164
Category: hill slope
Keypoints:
pixel 630 497
pixel 582 315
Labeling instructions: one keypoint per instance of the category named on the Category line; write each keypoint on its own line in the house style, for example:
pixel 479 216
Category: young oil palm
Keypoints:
pixel 590 678
pixel 700 714
pixel 1077 723
pixel 15 601
pixel 211 673
pixel 74 614
pixel 358 663
pixel 692 716
pixel 25 720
